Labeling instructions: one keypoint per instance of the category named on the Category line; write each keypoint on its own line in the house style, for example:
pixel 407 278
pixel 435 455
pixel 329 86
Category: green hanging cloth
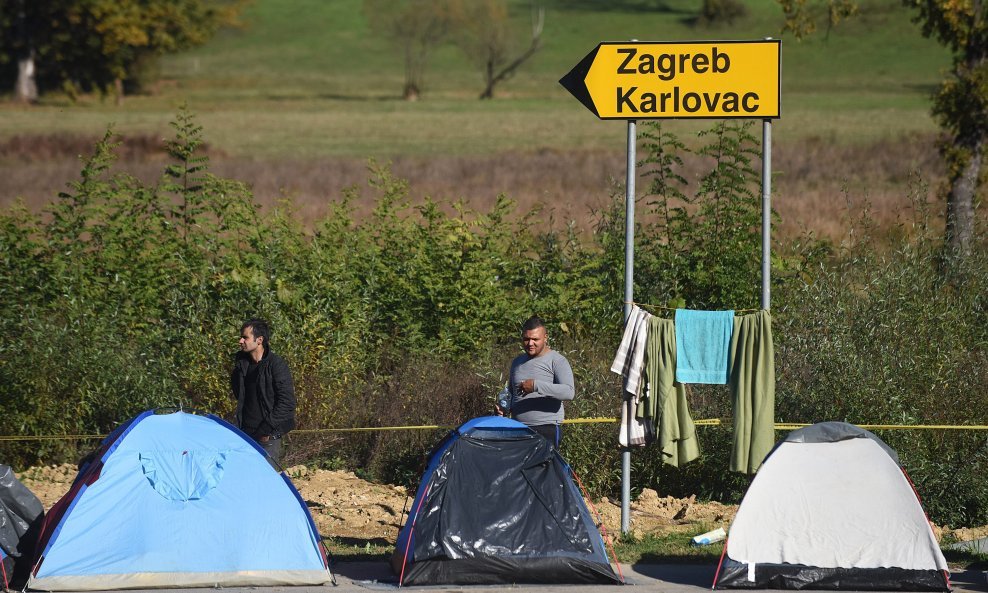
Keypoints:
pixel 665 403
pixel 752 367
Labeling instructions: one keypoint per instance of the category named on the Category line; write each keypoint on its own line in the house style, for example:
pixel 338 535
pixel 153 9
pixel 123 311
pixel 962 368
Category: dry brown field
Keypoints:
pixel 818 186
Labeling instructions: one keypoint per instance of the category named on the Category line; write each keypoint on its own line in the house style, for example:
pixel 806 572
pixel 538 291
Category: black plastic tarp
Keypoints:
pixel 499 511
pixel 735 575
pixel 21 514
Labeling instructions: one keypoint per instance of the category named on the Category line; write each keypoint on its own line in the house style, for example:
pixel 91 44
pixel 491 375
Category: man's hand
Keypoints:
pixel 527 386
pixel 498 410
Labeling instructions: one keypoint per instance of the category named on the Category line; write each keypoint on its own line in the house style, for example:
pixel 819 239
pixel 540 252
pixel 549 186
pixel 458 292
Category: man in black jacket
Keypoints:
pixel 262 386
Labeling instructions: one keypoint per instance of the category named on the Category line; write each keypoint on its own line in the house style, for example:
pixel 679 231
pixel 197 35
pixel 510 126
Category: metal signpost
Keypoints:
pixel 680 80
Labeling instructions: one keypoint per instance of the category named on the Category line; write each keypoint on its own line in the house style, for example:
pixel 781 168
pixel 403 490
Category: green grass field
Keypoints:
pixel 306 78
pixel 296 101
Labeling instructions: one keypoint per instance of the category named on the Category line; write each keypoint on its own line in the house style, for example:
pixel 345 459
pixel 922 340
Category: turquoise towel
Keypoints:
pixel 703 342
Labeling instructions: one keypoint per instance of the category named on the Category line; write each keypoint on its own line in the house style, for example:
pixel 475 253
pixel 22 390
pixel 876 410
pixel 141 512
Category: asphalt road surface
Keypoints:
pixel 366 577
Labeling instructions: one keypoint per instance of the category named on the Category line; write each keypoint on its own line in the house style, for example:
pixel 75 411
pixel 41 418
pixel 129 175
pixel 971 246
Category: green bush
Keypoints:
pixel 887 334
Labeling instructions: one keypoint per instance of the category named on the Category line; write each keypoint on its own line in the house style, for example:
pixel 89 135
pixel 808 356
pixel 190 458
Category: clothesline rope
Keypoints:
pixel 664 308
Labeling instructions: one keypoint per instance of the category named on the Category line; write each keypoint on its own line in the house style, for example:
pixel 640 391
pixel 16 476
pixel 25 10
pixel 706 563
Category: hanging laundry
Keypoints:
pixel 665 402
pixel 631 353
pixel 633 431
pixel 703 341
pixel 753 390
pixel 628 363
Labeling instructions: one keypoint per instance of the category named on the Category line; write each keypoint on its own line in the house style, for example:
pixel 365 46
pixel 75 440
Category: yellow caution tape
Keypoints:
pixel 794 426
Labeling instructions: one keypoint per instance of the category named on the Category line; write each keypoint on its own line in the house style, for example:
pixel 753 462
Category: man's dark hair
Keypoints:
pixel 534 322
pixel 259 328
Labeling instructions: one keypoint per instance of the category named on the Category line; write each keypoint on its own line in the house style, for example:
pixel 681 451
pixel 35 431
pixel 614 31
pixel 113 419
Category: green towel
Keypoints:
pixel 665 403
pixel 752 384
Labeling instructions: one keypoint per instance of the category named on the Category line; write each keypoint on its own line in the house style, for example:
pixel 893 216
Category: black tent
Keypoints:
pixel 497 504
pixel 21 514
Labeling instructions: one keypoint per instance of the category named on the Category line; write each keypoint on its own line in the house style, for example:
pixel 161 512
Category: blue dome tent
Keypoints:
pixel 178 500
pixel 497 504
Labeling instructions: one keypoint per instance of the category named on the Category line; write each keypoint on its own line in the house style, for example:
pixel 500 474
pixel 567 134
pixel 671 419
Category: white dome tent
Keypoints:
pixel 831 508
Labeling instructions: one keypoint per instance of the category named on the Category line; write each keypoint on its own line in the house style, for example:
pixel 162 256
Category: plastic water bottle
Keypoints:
pixel 504 399
pixel 709 537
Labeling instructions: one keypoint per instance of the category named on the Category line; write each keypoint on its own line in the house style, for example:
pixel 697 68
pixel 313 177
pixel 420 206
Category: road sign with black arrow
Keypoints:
pixel 668 80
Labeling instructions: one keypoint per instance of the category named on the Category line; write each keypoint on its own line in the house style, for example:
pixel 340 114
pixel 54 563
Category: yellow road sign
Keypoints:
pixel 659 80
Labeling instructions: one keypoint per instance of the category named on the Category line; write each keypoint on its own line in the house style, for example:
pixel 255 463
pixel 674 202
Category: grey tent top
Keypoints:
pixel 831 432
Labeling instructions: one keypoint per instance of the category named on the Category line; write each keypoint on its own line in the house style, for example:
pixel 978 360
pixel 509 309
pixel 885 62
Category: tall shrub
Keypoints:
pixel 882 335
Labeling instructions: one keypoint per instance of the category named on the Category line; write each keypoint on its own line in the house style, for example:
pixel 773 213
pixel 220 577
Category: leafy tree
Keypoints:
pixel 16 26
pixel 801 18
pixel 960 105
pixel 87 45
pixel 699 245
pixel 484 34
pixel 416 27
pixel 715 12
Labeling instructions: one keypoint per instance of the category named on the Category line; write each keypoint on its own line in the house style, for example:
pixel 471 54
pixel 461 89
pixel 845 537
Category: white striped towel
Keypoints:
pixel 630 356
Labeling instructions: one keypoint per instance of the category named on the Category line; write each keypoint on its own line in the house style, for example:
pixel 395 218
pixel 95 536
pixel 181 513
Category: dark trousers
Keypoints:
pixel 551 432
pixel 273 448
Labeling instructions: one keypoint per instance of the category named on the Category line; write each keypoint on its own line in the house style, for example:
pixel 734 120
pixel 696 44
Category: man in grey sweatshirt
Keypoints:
pixel 540 381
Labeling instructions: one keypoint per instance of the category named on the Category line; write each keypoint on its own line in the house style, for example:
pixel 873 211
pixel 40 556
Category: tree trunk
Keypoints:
pixel 415 59
pixel 118 90
pixel 971 138
pixel 488 92
pixel 493 77
pixel 411 92
pixel 26 90
pixel 960 202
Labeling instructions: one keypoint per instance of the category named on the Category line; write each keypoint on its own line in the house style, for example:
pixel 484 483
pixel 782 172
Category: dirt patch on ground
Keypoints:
pixel 346 507
pixel 652 514
pixel 48 483
pixel 349 508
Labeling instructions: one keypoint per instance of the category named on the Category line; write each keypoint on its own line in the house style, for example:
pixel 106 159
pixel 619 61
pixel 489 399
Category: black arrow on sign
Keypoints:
pixel 575 81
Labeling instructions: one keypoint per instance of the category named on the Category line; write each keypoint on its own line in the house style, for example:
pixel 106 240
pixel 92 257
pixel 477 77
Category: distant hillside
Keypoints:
pixel 298 100
pixel 314 48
